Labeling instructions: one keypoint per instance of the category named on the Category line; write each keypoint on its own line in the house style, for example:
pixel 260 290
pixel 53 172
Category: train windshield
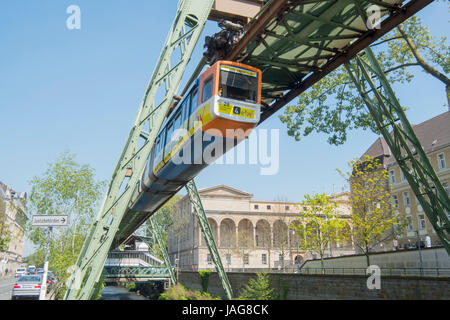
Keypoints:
pixel 238 83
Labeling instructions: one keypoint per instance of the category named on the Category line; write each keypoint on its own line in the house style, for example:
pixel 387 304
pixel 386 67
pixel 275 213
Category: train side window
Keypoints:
pixel 194 100
pixel 178 120
pixel 207 89
pixel 185 107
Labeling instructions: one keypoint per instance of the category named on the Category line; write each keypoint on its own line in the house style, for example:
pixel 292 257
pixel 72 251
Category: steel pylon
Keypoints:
pixel 187 27
pixel 393 124
pixel 208 236
pixel 155 229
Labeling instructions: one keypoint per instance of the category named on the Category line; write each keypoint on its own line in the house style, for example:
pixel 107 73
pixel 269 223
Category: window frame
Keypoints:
pixel 420 220
pixel 206 82
pixel 407 197
pixel 392 176
pixel 439 161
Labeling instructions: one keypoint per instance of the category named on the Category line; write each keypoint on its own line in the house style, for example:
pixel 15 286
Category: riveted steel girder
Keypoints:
pixel 297 43
pixel 208 236
pixel 391 120
pixel 189 22
pixel 156 231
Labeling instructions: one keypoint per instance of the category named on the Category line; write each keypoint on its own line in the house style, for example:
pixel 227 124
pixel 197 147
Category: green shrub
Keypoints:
pixel 131 286
pixel 258 289
pixel 180 292
pixel 204 275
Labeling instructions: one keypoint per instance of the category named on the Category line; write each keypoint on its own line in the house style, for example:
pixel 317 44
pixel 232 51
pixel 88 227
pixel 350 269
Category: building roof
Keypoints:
pixel 433 134
pixel 227 189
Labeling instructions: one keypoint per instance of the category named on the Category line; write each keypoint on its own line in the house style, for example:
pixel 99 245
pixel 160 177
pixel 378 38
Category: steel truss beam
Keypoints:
pixel 133 273
pixel 156 231
pixel 208 236
pixel 183 36
pixel 390 117
pixel 273 24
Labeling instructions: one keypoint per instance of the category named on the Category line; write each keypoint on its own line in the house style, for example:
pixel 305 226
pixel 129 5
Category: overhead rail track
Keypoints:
pixel 297 43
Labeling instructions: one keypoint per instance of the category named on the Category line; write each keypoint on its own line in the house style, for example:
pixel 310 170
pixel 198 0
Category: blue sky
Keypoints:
pixel 79 90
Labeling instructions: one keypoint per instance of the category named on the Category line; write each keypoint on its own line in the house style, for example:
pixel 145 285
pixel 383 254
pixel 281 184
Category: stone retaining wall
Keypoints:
pixel 309 287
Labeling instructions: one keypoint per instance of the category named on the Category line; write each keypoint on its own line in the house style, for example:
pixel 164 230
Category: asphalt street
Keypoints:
pixel 6 286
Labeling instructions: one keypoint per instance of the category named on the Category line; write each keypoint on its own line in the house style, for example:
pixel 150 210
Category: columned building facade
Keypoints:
pixel 248 233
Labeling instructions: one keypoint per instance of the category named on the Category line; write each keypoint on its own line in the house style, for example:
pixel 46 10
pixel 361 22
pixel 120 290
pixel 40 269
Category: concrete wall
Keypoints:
pixel 431 258
pixel 311 287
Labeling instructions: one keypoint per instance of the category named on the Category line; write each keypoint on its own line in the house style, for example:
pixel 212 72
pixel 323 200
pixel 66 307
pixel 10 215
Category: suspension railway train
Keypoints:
pixel 223 101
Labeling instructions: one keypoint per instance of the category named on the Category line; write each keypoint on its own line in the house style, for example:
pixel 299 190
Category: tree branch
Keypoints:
pixel 435 73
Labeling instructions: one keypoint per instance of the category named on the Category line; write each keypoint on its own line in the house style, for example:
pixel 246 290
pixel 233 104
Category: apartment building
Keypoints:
pixel 434 136
pixel 13 209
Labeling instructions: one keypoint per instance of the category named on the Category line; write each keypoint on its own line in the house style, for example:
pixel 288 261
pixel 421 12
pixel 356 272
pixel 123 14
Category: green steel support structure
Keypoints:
pixel 183 36
pixel 156 231
pixel 208 236
pixel 391 120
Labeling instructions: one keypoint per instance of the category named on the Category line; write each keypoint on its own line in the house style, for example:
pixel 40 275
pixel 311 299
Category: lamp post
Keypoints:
pixel 420 252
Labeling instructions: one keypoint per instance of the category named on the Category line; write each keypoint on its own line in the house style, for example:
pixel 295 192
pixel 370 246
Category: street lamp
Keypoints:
pixel 420 252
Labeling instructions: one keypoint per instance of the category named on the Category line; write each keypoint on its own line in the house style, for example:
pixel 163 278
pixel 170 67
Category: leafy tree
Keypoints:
pixel 258 289
pixel 167 217
pixel 373 216
pixel 204 276
pixel 333 105
pixel 318 224
pixel 67 188
pixel 5 234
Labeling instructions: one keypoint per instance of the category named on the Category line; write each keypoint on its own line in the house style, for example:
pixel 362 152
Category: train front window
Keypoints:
pixel 237 83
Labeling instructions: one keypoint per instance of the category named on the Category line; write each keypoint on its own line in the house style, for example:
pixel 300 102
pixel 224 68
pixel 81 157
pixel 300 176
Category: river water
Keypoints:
pixel 119 293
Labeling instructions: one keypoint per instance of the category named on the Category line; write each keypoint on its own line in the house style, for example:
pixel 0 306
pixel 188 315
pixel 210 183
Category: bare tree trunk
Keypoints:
pixel 367 255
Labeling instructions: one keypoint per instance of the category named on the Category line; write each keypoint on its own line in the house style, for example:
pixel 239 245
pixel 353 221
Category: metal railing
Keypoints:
pixel 415 272
pixel 139 255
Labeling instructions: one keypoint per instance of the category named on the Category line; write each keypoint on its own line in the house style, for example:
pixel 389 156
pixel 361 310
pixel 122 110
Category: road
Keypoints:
pixel 6 286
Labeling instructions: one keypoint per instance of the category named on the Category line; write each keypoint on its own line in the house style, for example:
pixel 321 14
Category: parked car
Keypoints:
pixel 40 270
pixel 21 272
pixel 27 287
pixel 31 270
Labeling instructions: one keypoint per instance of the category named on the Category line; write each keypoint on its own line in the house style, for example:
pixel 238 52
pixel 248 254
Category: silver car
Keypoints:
pixel 21 272
pixel 27 287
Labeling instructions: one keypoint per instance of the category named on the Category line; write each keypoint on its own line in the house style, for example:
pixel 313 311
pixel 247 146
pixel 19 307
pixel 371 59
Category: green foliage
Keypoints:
pixel 97 294
pixel 204 275
pixel 5 234
pixel 258 289
pixel 131 287
pixel 166 217
pixel 333 105
pixel 180 292
pixel 318 224
pixel 69 188
pixel 373 217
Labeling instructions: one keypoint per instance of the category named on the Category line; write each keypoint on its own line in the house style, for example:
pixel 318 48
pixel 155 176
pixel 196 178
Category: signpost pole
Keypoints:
pixel 44 277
